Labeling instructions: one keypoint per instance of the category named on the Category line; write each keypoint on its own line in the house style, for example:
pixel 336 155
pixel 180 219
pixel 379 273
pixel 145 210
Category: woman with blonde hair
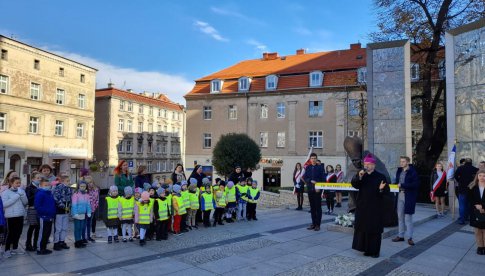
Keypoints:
pixel 438 187
pixel 476 194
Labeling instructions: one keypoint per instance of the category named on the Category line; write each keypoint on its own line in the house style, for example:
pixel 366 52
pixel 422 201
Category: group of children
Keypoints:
pixel 177 208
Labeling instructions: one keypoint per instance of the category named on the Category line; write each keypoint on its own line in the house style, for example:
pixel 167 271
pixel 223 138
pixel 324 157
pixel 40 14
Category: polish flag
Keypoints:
pixel 306 164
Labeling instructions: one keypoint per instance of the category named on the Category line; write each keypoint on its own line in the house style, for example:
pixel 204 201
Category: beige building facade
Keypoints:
pixel 46 110
pixel 287 105
pixel 144 129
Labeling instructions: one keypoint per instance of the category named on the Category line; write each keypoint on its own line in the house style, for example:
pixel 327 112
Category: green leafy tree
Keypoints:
pixel 235 149
pixel 425 22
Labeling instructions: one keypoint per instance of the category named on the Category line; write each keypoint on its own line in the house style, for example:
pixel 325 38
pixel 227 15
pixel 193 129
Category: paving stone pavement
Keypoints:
pixel 277 244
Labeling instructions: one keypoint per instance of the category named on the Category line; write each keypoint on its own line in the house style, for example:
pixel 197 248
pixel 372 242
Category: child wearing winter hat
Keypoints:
pixel 126 212
pixel 136 231
pixel 194 203
pixel 207 204
pixel 186 200
pixel 231 201
pixel 143 215
pixel 220 204
pixel 168 194
pixel 80 208
pixel 178 208
pixel 161 212
pixel 253 196
pixel 151 230
pixel 112 209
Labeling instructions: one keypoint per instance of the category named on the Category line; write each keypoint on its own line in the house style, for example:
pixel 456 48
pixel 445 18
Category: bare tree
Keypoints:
pixel 425 22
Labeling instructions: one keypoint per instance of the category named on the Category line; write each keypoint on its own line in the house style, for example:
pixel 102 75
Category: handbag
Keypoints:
pixel 479 217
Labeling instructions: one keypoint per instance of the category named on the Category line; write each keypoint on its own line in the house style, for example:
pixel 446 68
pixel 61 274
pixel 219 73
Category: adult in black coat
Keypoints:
pixel 237 175
pixel 464 175
pixel 369 211
pixel 178 174
pixel 476 195
pixel 197 174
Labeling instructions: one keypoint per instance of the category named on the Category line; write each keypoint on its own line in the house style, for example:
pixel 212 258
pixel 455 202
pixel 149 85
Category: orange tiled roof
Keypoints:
pixel 161 101
pixel 339 68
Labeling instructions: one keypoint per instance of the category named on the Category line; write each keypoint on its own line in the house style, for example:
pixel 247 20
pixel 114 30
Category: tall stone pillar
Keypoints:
pixel 292 127
pixel 389 102
pixel 465 90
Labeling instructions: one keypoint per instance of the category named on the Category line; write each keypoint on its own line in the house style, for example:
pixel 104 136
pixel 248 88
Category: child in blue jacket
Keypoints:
pixel 45 205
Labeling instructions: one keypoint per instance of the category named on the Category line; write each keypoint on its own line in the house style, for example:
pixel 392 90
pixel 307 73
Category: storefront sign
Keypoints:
pixel 272 161
pixel 68 152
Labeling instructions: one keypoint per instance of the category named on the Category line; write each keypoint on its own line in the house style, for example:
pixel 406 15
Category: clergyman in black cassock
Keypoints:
pixel 369 213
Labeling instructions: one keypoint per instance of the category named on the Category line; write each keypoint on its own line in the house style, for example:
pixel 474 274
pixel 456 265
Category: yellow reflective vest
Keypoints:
pixel 208 203
pixel 194 200
pixel 163 209
pixel 231 194
pixel 127 207
pixel 221 202
pixel 253 193
pixel 181 206
pixel 186 197
pixel 243 190
pixel 144 212
pixel 112 207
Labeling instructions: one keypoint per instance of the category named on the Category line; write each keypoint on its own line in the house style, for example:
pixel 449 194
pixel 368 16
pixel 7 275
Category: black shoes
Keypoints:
pixel 64 245
pixel 110 239
pixel 116 239
pixel 481 251
pixel 57 246
pixel 398 239
pixel 79 244
pixel 371 255
pixel 311 227
pixel 44 252
pixel 30 248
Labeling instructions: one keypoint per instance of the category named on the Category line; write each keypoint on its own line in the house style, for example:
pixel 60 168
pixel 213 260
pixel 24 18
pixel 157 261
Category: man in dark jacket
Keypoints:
pixel 464 175
pixel 314 173
pixel 408 182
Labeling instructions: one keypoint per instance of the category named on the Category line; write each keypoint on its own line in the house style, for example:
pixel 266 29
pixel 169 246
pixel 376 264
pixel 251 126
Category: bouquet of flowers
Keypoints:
pixel 346 220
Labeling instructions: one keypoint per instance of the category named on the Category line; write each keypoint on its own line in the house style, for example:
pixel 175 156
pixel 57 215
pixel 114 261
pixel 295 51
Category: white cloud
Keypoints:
pixel 260 47
pixel 174 86
pixel 206 28
pixel 231 13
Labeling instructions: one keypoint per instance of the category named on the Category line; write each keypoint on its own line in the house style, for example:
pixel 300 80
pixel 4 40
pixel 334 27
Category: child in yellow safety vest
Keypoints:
pixel 242 199
pixel 143 215
pixel 112 216
pixel 168 193
pixel 138 192
pixel 151 229
pixel 126 212
pixel 161 211
pixel 186 201
pixel 207 204
pixel 231 201
pixel 220 204
pixel 253 196
pixel 178 209
pixel 194 203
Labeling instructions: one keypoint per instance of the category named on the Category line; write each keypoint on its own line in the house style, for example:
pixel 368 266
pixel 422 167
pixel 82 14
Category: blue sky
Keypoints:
pixel 163 46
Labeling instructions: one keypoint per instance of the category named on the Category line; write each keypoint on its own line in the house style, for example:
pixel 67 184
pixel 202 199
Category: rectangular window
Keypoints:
pixel 315 109
pixel 61 72
pixel 414 71
pixel 271 82
pixel 60 96
pixel 149 166
pixel 159 166
pixel 140 127
pixel 243 84
pixel 263 139
pixel 316 79
pixel 165 129
pixel 207 113
pixel 354 107
pixel 150 147
pixel 232 112
pixel 280 143
pixel 280 110
pixel 173 115
pixel 34 125
pixel 362 75
pixel 81 101
pixel 150 111
pixel 122 105
pixel 59 131
pixel 159 112
pixel 3 121
pixel 36 64
pixel 140 147
pixel 150 127
pixel 159 147
pixel 315 139
pixel 216 86
pixel 120 146
pixel 82 78
pixel 164 113
pixel 164 165
pixel 140 109
pixel 4 54
pixel 80 130
pixel 159 128
pixel 207 140
pixel 264 111
pixel 129 126
pixel 129 146
pixel 3 84
pixel 35 91
pixel 164 147
pixel 130 107
pixel 121 124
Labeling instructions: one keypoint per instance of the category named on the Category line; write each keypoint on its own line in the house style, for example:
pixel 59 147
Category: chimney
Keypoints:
pixel 111 85
pixel 355 46
pixel 270 56
pixel 300 52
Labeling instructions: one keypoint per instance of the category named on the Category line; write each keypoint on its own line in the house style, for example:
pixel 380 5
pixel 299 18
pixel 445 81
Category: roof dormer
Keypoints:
pixel 244 84
pixel 216 85
pixel 271 82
